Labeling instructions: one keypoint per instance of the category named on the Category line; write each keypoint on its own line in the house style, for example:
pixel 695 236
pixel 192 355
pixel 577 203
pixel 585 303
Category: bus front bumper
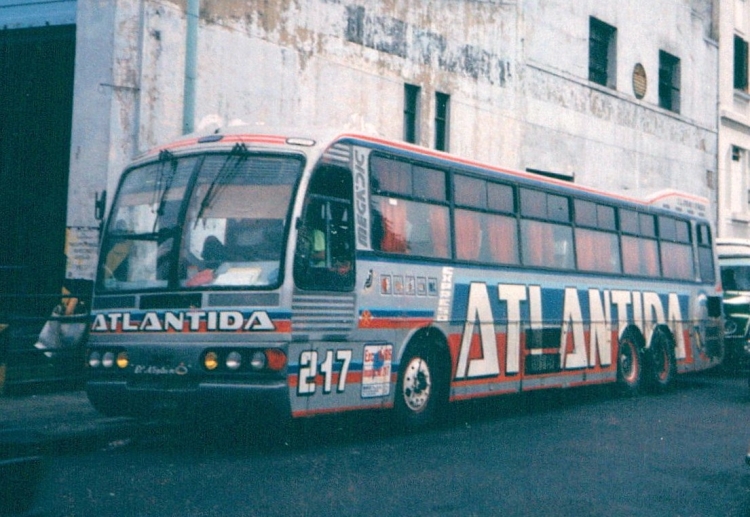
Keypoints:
pixel 209 399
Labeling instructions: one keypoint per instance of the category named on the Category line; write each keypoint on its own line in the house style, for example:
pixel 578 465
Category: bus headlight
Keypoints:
pixel 108 359
pixel 234 360
pixel 258 360
pixel 95 360
pixel 211 361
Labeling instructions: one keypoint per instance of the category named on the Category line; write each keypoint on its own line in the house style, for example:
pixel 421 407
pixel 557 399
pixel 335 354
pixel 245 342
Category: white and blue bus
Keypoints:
pixel 248 271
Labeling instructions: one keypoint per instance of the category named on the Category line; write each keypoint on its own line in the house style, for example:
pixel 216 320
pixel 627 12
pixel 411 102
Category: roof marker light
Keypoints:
pixel 306 142
pixel 210 138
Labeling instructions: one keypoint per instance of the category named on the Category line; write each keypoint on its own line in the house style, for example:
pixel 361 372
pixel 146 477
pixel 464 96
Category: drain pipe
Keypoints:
pixel 191 67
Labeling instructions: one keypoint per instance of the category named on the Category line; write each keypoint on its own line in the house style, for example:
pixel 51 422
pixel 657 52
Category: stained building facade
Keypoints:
pixel 609 94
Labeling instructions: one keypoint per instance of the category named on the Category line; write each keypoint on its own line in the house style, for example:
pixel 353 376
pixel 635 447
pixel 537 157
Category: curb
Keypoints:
pixel 89 437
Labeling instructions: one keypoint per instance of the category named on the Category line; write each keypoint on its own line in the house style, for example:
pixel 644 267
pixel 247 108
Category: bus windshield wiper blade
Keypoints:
pixel 225 173
pixel 164 156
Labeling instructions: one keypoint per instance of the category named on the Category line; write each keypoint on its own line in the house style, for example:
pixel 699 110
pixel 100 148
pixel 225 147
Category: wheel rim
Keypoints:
pixel 661 363
pixel 417 384
pixel 628 362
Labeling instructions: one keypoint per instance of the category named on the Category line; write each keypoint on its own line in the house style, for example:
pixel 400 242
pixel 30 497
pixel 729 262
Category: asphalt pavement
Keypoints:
pixel 34 427
pixel 47 423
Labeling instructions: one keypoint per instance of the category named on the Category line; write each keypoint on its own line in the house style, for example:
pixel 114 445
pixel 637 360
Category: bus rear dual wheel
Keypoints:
pixel 655 367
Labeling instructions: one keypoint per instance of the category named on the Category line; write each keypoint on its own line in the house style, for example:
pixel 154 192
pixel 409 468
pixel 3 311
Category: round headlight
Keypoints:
pixel 108 359
pixel 258 361
pixel 122 359
pixel 211 361
pixel 234 360
pixel 95 360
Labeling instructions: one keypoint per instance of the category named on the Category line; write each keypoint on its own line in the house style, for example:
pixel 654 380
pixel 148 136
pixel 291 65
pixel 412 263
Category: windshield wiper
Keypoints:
pixel 224 175
pixel 164 157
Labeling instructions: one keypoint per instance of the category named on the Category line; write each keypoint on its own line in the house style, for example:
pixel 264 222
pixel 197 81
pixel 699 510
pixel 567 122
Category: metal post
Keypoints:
pixel 191 66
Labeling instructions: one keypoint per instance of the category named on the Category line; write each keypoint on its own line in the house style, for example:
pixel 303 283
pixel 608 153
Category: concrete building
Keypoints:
pixel 615 94
pixel 734 112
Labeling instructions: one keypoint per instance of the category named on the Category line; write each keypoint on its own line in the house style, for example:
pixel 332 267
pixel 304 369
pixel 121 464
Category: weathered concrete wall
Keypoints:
pixel 607 137
pixel 516 71
pixel 734 135
pixel 339 64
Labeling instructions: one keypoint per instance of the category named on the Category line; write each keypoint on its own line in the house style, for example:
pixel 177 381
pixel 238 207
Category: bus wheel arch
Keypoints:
pixel 423 384
pixel 630 353
pixel 660 360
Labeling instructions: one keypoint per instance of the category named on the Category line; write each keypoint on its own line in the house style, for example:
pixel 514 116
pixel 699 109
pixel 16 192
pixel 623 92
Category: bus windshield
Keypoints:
pixel 215 220
pixel 735 278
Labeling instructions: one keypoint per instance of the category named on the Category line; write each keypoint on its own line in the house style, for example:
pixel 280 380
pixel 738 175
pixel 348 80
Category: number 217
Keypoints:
pixel 309 369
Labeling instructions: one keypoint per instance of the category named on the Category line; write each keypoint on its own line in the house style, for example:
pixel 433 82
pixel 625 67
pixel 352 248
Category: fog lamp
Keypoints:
pixel 122 360
pixel 211 361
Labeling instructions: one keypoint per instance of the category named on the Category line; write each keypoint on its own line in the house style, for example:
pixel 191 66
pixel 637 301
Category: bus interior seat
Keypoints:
pixel 255 239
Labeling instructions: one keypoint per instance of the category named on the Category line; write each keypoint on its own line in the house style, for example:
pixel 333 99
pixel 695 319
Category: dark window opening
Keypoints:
pixel 669 81
pixel 442 112
pixel 740 63
pixel 602 53
pixel 411 113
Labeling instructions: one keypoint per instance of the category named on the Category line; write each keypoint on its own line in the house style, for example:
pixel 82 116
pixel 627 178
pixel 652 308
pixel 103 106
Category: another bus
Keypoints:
pixel 254 271
pixel 734 264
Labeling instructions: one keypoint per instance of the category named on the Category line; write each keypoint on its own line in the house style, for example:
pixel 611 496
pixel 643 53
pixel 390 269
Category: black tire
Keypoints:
pixel 422 388
pixel 629 364
pixel 661 362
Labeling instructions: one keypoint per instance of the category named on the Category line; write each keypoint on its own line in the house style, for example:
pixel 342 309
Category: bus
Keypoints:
pixel 734 264
pixel 261 271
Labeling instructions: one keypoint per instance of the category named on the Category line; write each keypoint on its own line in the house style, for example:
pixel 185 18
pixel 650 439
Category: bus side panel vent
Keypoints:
pixel 330 313
pixel 338 154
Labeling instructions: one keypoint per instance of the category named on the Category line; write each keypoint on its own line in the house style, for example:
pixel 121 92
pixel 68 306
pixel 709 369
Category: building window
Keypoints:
pixel 602 53
pixel 442 112
pixel 411 113
pixel 669 81
pixel 738 197
pixel 740 63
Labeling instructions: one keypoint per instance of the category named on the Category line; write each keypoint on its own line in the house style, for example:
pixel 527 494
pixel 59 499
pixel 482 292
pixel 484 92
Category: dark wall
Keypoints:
pixel 36 101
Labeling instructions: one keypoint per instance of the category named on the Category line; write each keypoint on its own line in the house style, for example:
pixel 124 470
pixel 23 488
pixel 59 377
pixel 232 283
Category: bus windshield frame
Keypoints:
pixel 214 220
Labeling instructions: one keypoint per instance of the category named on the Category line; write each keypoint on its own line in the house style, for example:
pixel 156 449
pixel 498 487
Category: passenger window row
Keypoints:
pixel 506 224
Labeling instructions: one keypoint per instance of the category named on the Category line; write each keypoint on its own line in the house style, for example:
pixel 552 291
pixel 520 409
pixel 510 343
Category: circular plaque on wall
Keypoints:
pixel 639 81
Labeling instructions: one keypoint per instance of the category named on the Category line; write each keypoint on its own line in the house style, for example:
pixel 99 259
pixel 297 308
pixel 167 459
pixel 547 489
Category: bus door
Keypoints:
pixel 324 302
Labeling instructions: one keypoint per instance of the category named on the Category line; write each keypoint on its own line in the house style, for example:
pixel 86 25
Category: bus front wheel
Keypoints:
pixel 629 364
pixel 421 388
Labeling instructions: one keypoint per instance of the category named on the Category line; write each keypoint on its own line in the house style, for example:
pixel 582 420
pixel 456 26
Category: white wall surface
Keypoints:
pixel 516 71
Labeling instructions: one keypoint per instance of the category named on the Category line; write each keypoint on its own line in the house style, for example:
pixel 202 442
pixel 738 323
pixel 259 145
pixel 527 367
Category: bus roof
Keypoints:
pixel 319 139
pixel 728 247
